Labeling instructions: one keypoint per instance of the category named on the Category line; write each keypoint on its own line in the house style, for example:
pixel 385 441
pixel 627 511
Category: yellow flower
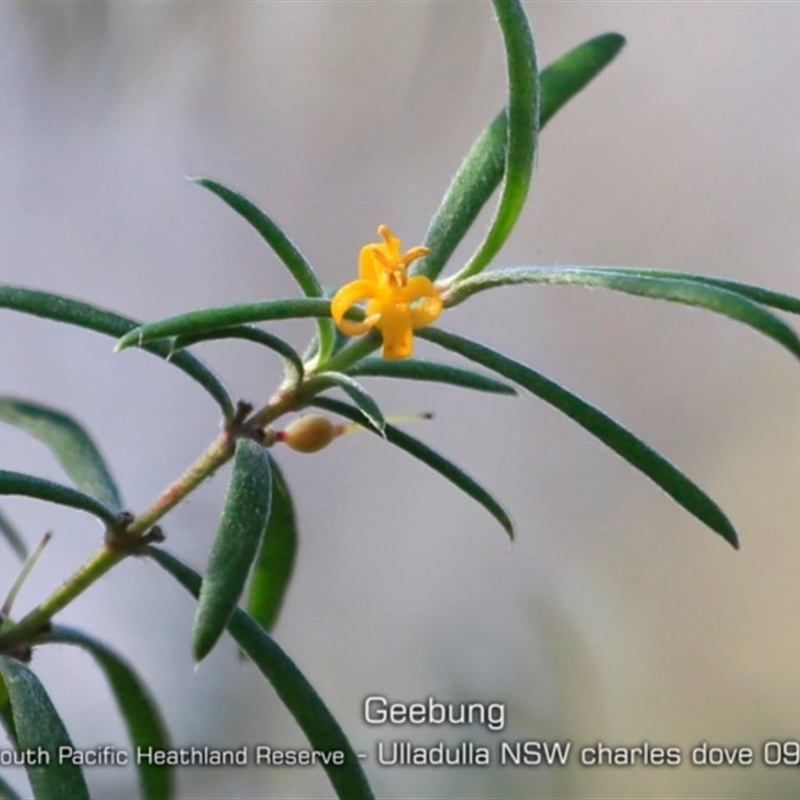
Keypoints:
pixel 396 304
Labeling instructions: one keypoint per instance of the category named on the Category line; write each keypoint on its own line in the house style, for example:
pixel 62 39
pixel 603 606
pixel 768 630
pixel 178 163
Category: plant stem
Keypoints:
pixel 108 556
pixel 347 356
pixel 220 451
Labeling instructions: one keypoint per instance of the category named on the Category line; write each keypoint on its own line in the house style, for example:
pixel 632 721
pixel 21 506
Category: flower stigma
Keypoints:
pixel 396 303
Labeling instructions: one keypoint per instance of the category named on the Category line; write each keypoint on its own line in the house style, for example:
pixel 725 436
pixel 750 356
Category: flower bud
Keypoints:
pixel 309 434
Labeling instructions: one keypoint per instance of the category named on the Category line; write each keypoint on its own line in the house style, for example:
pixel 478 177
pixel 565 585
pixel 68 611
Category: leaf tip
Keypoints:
pixel 732 539
pixel 202 645
pixel 617 38
pixel 201 180
pixel 128 340
pixel 726 530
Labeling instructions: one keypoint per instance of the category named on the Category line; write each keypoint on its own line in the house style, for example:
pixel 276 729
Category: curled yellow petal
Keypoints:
pixel 369 268
pixel 425 302
pixel 391 244
pixel 350 294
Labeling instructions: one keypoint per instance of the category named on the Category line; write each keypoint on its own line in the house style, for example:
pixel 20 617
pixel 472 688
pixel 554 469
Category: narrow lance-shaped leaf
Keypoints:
pixel 294 364
pixel 244 519
pixel 569 74
pixel 693 293
pixel 274 564
pixel 10 533
pixel 297 694
pixel 522 130
pixel 17 483
pixel 758 294
pixel 357 393
pixel 428 456
pixel 417 370
pixel 6 715
pixel 19 582
pixel 84 315
pixel 143 720
pixel 482 170
pixel 70 444
pixel 6 792
pixel 40 731
pixel 599 424
pixel 282 245
pixel 195 323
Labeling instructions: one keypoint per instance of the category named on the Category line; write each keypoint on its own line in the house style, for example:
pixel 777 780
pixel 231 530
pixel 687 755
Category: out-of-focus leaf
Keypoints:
pixel 522 130
pixel 17 483
pixel 13 537
pixel 482 170
pixel 6 715
pixel 19 582
pixel 274 564
pixel 244 520
pixel 294 363
pixel 572 72
pixel 416 370
pixel 143 720
pixel 286 250
pixel 689 292
pixel 297 694
pixel 206 320
pixel 357 393
pixel 428 456
pixel 76 312
pixel 70 444
pixel 38 725
pixel 6 792
pixel 599 424
pixel 758 294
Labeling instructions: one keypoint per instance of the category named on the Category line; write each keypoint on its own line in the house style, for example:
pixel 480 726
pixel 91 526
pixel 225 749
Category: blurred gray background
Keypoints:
pixel 615 617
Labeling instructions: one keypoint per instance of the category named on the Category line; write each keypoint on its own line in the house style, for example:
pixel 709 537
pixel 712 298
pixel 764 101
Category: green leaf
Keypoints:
pixel 7 716
pixel 482 170
pixel 17 483
pixel 599 424
pixel 206 320
pixel 298 695
pixel 6 792
pixel 758 294
pixel 37 726
pixel 357 393
pixel 13 537
pixel 284 248
pixel 70 443
pixel 522 130
pixel 76 312
pixel 274 564
pixel 143 720
pixel 689 292
pixel 415 370
pixel 294 364
pixel 244 519
pixel 572 72
pixel 428 456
